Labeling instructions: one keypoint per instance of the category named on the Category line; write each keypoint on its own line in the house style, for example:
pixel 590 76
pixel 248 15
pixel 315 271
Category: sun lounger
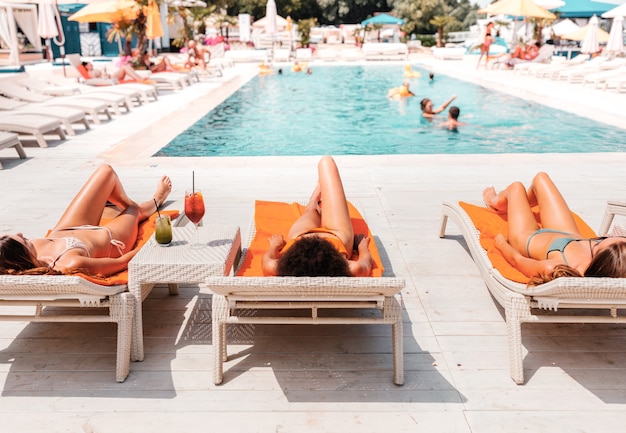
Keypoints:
pixel 236 299
pixel 14 90
pixel 146 91
pixel 451 53
pixel 8 139
pixel 578 73
pixel 281 55
pixel 598 79
pixel 10 103
pixel 385 51
pixel 40 86
pixel 563 300
pixel 76 292
pixel 618 83
pixel 66 115
pixel 34 125
pixel 548 70
pixel 92 107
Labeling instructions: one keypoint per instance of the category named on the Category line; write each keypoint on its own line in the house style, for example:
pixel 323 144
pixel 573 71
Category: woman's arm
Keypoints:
pixel 270 258
pixel 444 105
pixel 95 266
pixel 363 266
pixel 527 266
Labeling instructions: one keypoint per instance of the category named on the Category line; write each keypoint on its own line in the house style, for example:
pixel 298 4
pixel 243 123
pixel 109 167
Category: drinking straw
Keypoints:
pixel 157 206
pixel 193 182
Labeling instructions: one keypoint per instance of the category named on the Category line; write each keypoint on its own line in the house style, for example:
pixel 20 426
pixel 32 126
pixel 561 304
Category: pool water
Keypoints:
pixel 343 110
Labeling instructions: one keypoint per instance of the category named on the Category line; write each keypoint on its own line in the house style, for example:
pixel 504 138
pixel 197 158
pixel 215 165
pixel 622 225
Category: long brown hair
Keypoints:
pixel 15 259
pixel 610 262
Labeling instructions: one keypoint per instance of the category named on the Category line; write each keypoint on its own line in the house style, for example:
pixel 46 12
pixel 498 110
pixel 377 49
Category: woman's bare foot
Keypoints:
pixel 490 197
pixel 164 187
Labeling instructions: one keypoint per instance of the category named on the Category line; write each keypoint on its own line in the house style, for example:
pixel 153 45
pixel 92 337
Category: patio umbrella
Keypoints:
pixel 619 11
pixel 383 19
pixel 565 27
pixel 616 37
pixel 154 27
pixel 107 11
pixel 581 34
pixel 47 26
pixel 517 8
pixel 270 15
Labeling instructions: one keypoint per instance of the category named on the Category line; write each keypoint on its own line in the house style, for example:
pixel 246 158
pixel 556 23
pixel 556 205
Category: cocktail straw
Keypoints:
pixel 157 206
pixel 193 181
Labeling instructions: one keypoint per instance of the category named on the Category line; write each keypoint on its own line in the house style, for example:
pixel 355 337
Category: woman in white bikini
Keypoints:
pixel 557 249
pixel 78 243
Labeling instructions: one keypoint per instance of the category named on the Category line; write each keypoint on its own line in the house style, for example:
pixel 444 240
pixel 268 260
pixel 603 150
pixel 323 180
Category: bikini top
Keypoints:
pixel 334 241
pixel 70 244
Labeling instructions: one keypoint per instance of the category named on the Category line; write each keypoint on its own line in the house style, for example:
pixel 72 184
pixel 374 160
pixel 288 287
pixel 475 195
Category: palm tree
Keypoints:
pixel 440 21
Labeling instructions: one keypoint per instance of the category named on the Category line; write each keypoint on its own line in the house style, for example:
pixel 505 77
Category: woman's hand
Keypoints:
pixel 277 242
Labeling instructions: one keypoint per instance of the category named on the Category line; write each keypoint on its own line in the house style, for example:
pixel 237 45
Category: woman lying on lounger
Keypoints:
pixel 557 249
pixel 321 241
pixel 78 243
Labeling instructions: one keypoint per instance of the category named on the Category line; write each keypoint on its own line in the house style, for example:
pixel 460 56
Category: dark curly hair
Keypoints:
pixel 312 256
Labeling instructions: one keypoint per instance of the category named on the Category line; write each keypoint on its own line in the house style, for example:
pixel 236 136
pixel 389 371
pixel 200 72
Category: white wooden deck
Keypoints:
pixel 60 377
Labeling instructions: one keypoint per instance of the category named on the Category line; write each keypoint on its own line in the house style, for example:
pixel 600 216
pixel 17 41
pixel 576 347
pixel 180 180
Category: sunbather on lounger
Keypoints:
pixel 321 241
pixel 557 249
pixel 120 74
pixel 78 243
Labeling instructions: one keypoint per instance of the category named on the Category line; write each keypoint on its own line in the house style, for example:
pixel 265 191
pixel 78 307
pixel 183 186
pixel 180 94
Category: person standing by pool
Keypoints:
pixel 484 46
pixel 427 107
pixel 453 119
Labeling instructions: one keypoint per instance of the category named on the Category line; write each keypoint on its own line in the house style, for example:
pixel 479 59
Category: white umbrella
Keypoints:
pixel 616 37
pixel 564 27
pixel 270 14
pixel 47 26
pixel 619 11
pixel 590 44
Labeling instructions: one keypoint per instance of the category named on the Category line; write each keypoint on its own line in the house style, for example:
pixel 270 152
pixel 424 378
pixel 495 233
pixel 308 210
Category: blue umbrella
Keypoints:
pixel 382 19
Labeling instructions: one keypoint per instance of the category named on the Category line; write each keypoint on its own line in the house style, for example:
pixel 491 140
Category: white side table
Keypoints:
pixel 179 264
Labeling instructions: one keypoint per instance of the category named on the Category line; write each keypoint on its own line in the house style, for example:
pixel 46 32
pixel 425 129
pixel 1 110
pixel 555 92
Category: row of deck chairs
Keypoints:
pixel 48 106
pixel 601 72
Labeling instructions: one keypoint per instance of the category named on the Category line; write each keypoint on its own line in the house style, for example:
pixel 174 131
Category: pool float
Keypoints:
pixel 399 92
pixel 298 67
pixel 409 73
pixel 265 69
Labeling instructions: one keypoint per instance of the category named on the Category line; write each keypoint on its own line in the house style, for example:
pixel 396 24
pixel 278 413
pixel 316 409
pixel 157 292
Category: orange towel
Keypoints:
pixel 490 223
pixel 146 229
pixel 276 218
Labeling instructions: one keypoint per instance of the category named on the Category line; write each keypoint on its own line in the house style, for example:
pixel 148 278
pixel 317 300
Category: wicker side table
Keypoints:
pixel 179 264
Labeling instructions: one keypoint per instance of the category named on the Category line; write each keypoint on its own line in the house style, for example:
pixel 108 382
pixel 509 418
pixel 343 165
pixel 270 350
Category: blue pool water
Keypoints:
pixel 343 110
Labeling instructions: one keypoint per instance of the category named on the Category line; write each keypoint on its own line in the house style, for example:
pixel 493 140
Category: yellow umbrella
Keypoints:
pixel 154 27
pixel 107 11
pixel 580 34
pixel 517 8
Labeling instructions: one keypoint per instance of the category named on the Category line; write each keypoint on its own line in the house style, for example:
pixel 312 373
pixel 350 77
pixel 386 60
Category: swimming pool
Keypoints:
pixel 343 110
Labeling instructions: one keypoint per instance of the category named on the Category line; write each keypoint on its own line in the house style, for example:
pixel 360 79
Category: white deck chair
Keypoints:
pixel 45 88
pixel 92 107
pixel 236 299
pixel 34 125
pixel 66 115
pixel 565 297
pixel 578 73
pixel 8 139
pixel 618 83
pixel 598 79
pixel 281 55
pixel 304 54
pixel 42 291
pixel 146 91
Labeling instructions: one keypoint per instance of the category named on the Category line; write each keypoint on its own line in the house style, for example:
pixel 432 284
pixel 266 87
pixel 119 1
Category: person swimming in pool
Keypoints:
pixel 557 249
pixel 427 107
pixel 322 240
pixel 78 243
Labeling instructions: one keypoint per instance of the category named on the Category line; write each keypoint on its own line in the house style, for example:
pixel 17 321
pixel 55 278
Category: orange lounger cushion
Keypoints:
pixel 490 223
pixel 276 218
